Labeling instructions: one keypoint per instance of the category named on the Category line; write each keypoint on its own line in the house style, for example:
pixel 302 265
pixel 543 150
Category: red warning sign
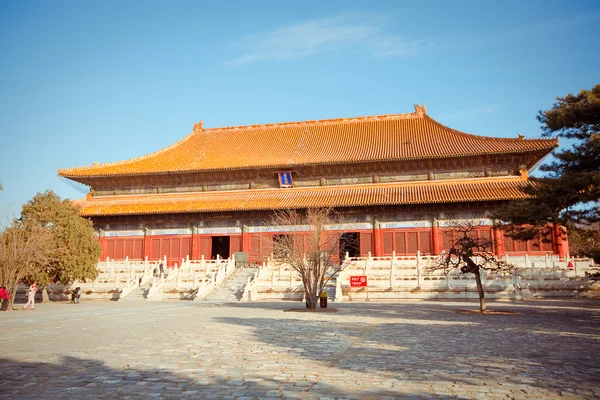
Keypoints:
pixel 358 281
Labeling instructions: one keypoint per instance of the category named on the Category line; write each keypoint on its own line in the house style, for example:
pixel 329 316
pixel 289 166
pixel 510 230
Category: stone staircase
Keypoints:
pixel 138 294
pixel 232 288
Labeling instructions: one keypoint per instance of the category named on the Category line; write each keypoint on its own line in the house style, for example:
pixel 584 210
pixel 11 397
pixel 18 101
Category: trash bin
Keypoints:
pixel 323 299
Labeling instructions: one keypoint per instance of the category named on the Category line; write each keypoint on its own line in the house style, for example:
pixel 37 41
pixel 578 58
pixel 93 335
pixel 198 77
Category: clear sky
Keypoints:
pixel 86 81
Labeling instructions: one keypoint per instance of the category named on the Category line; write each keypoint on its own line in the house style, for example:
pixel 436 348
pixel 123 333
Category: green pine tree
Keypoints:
pixel 569 191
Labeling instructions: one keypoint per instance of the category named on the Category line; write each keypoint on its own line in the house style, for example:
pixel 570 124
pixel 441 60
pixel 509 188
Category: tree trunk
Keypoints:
pixel 309 295
pixel 311 303
pixel 45 296
pixel 480 290
pixel 11 300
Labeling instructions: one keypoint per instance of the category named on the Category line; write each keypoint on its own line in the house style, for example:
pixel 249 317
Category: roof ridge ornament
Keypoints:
pixel 524 174
pixel 198 127
pixel 420 110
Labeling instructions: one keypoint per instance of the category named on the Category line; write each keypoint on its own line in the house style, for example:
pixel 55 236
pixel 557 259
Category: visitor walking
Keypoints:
pixel 4 297
pixel 31 297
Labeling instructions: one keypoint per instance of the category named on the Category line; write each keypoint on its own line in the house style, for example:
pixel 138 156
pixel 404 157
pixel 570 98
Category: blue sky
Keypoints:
pixel 86 81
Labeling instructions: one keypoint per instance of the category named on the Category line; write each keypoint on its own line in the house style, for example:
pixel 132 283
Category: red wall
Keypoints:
pixel 260 245
pixel 119 248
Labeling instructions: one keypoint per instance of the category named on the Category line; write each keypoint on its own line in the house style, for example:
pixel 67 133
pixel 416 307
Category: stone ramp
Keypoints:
pixel 232 288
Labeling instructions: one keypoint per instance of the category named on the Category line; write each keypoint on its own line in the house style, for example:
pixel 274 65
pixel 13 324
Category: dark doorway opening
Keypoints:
pixel 282 246
pixel 349 243
pixel 220 246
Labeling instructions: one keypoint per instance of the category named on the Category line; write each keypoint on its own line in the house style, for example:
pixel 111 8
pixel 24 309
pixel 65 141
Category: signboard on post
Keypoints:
pixel 358 281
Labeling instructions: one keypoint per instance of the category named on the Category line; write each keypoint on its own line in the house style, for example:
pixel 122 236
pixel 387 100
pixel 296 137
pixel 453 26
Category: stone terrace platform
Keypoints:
pixel 418 349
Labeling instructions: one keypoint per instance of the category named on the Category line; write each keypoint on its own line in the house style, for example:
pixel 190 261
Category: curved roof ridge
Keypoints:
pixel 139 158
pixel 419 112
pixel 519 138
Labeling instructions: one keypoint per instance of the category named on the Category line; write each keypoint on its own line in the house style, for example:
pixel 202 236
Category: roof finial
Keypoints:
pixel 198 126
pixel 420 110
pixel 524 173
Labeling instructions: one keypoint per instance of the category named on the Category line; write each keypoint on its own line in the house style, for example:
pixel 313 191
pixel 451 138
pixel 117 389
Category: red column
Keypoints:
pixel 102 241
pixel 195 244
pixel 565 243
pixel 498 241
pixel 561 241
pixel 377 240
pixel 245 239
pixel 436 238
pixel 147 244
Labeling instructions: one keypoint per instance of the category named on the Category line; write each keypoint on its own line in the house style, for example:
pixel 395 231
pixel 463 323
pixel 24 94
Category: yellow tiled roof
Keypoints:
pixel 447 191
pixel 338 141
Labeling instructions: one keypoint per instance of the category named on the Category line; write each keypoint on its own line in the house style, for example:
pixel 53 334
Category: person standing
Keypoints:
pixel 31 297
pixel 77 294
pixel 4 297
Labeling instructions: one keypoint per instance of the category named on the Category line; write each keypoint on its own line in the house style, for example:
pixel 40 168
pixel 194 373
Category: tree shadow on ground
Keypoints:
pixel 545 346
pixel 90 379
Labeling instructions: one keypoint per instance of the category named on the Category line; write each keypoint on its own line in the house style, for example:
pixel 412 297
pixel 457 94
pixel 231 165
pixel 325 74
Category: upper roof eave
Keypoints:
pixel 63 172
pixel 297 155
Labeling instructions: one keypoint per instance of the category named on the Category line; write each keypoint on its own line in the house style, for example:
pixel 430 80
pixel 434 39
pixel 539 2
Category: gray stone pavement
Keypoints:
pixel 185 350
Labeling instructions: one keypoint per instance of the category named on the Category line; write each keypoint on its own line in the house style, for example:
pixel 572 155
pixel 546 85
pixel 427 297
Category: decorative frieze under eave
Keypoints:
pixel 322 175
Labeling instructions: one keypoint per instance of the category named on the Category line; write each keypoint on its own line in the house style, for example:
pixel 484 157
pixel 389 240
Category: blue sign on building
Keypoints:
pixel 285 179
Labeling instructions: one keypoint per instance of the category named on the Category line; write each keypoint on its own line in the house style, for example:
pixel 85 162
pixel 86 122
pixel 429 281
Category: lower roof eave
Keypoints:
pixel 242 209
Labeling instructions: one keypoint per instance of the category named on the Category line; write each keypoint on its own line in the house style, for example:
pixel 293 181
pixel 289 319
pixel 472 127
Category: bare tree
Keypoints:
pixel 470 254
pixel 313 253
pixel 25 250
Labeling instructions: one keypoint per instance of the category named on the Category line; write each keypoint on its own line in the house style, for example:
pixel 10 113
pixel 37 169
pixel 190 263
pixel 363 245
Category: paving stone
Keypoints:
pixel 548 350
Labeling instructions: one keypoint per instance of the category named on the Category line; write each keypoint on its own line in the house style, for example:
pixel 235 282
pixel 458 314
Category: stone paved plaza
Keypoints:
pixel 185 350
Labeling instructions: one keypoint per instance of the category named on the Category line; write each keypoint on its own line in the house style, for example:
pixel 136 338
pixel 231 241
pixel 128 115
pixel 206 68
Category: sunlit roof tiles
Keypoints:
pixel 392 137
pixel 449 191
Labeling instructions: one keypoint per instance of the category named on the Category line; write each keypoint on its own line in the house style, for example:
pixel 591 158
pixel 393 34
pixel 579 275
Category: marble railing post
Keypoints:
pixel 418 270
pixel 338 287
pixel 392 269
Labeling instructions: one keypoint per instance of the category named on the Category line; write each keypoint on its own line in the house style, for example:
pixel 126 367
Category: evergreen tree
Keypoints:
pixel 569 191
pixel 76 248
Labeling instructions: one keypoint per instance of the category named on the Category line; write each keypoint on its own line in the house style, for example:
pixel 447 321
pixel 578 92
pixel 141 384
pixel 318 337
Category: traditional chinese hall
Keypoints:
pixel 396 182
